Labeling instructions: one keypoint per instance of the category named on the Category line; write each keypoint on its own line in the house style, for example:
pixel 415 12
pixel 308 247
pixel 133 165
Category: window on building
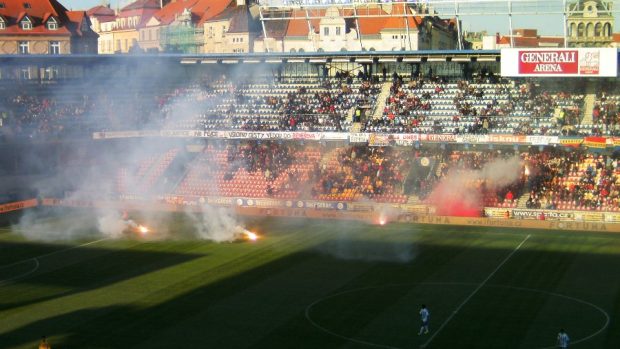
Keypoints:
pixel 607 29
pixel 338 31
pixel 26 24
pixel 54 48
pixel 2 5
pixel 118 45
pixel 598 29
pixel 52 24
pixel 326 31
pixel 27 5
pixel 50 73
pixel 2 23
pixel 24 47
pixel 24 73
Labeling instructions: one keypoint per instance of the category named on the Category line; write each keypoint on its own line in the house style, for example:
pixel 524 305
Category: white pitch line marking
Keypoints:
pixel 52 253
pixel 37 264
pixel 435 333
pixel 31 271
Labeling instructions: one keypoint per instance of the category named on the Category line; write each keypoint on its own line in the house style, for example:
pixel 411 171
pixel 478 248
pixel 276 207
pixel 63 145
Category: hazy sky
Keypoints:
pixel 546 24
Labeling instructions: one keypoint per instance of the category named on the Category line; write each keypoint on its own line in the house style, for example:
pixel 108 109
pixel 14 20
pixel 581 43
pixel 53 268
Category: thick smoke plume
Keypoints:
pixel 89 171
pixel 459 193
pixel 217 224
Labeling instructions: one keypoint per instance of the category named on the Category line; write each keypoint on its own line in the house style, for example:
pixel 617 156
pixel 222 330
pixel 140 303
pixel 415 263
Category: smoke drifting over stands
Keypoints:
pixel 378 155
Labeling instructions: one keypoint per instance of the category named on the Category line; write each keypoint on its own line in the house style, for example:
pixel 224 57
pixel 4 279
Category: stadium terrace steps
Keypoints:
pixel 382 100
pixel 588 104
pixel 522 201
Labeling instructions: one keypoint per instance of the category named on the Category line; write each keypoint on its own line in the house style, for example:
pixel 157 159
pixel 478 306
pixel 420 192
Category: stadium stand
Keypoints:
pixel 437 106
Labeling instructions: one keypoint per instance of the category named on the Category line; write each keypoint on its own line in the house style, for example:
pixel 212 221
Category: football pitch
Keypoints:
pixel 314 284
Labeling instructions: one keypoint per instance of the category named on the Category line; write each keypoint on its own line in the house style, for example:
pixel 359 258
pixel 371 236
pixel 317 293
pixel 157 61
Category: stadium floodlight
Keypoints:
pixel 486 59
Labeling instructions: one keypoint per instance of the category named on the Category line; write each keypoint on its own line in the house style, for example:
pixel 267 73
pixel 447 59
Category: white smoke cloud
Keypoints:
pixel 217 224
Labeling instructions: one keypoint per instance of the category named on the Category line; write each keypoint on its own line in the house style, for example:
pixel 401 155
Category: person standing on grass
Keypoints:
pixel 424 316
pixel 563 339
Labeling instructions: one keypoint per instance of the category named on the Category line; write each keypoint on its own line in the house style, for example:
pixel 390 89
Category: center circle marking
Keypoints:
pixel 524 289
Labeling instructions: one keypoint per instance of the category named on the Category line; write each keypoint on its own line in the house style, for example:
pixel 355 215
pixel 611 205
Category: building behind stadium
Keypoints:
pixel 242 26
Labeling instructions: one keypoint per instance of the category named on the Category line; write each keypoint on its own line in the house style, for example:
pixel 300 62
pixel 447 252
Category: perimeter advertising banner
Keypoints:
pixel 601 62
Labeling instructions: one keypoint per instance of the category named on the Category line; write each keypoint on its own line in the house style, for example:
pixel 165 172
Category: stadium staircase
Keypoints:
pixel 522 200
pixel 588 104
pixel 175 172
pixel 154 173
pixel 382 100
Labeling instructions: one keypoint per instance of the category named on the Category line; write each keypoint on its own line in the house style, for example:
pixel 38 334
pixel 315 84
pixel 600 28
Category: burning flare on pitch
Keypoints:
pixel 142 229
pixel 246 234
pixel 250 235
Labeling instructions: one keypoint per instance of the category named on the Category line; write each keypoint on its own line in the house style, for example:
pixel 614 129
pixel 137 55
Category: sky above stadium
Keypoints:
pixel 546 24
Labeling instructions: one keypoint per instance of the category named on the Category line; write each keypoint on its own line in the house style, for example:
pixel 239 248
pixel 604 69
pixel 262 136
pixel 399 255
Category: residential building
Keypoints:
pixel 122 35
pixel 372 28
pixel 174 28
pixel 102 19
pixel 590 23
pixel 521 38
pixel 44 27
pixel 231 31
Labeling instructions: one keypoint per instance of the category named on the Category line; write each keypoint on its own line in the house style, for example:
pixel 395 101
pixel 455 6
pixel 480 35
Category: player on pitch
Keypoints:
pixel 424 316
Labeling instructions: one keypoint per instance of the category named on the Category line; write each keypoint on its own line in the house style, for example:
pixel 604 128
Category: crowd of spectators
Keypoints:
pixel 417 105
pixel 606 114
pixel 437 106
pixel 358 172
pixel 574 180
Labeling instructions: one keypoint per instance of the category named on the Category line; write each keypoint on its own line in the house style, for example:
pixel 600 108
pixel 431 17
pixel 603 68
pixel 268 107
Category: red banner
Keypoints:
pixel 549 62
pixel 19 205
pixel 595 142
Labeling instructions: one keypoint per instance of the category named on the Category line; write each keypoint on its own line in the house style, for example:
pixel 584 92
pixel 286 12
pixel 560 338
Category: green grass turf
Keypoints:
pixel 312 284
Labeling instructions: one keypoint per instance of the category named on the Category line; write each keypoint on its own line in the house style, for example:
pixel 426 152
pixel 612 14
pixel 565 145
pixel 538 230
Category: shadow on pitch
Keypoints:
pixel 74 270
pixel 253 308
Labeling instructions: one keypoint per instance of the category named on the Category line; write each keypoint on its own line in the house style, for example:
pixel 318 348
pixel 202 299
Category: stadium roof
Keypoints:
pixel 316 57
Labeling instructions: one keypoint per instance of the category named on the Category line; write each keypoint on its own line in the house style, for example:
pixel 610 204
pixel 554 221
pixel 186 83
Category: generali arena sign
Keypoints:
pixel 560 62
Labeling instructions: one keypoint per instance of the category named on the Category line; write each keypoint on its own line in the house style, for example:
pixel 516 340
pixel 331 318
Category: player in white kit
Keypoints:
pixel 563 339
pixel 424 316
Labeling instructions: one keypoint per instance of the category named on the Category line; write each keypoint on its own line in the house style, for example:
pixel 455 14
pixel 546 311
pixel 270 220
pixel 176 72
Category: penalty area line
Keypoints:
pixel 435 333
pixel 18 277
pixel 52 253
